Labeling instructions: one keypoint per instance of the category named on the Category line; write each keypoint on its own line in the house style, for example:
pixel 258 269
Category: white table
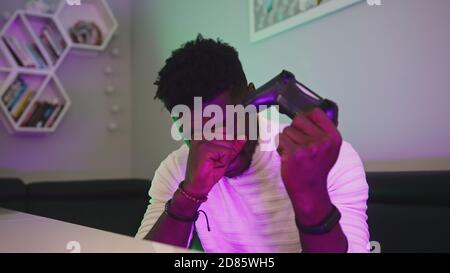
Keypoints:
pixel 21 232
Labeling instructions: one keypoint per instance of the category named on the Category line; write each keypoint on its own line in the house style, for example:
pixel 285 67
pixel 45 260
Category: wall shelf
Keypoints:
pixel 32 47
pixel 51 94
pixel 43 29
pixel 96 11
pixel 21 45
pixel 5 61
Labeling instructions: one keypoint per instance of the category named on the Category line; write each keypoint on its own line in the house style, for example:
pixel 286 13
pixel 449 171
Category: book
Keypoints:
pixel 41 114
pixel 54 116
pixel 29 113
pixel 34 117
pixel 11 92
pixel 17 97
pixel 25 55
pixel 22 104
pixel 45 114
pixel 32 62
pixel 53 44
pixel 15 52
pixel 56 38
pixel 62 42
pixel 20 52
pixel 49 48
pixel 35 53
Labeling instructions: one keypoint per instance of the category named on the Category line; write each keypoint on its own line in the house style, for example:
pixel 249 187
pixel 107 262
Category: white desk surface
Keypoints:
pixel 21 232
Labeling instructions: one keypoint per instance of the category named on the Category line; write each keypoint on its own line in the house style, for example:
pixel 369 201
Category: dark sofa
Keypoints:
pixel 408 211
pixel 116 205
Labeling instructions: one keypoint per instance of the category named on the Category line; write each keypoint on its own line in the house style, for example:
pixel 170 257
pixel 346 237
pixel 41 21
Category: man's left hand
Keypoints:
pixel 309 148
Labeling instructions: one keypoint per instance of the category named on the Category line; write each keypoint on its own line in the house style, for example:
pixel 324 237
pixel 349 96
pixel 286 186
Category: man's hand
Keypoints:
pixel 208 162
pixel 309 148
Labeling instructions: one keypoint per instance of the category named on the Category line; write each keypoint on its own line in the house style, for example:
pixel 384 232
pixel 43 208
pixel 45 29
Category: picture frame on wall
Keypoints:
pixel 270 17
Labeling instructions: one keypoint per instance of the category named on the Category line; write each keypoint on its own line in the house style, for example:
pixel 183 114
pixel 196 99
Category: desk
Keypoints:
pixel 21 232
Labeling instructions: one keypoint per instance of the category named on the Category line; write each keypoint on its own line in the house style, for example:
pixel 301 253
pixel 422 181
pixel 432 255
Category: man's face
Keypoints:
pixel 242 161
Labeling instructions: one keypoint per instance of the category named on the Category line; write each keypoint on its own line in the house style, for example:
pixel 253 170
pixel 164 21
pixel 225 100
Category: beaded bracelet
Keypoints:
pixel 189 196
pixel 185 218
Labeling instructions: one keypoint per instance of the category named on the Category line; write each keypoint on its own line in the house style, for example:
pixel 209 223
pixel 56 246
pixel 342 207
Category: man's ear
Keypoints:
pixel 251 87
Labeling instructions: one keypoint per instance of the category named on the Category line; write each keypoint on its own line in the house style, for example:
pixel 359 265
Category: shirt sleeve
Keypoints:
pixel 349 192
pixel 164 184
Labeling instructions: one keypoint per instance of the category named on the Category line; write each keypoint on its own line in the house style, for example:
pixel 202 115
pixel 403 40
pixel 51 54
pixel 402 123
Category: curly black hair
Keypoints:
pixel 199 68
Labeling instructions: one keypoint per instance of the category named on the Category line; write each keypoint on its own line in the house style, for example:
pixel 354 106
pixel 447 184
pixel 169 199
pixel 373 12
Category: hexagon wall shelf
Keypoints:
pixel 96 11
pixel 32 47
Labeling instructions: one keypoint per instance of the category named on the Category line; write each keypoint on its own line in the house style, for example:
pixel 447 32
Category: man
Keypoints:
pixel 308 195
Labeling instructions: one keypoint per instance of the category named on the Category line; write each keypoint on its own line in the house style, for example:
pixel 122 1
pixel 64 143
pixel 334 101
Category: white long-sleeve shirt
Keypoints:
pixel 253 212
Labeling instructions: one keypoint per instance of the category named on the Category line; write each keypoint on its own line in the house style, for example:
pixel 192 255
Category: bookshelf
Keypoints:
pixel 43 27
pixel 54 104
pixel 97 11
pixel 20 43
pixel 5 62
pixel 32 47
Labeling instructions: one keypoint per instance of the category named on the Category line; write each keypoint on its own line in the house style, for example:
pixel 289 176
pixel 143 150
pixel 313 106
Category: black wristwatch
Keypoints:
pixel 325 226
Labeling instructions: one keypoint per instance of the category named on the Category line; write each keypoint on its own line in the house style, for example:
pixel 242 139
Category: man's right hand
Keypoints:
pixel 208 162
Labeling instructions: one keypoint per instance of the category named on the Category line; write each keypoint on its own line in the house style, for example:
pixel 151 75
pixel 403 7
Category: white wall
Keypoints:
pixel 81 148
pixel 387 67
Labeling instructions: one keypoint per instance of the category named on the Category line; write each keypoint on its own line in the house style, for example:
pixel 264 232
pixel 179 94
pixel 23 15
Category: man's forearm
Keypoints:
pixel 172 231
pixel 331 242
pixel 310 209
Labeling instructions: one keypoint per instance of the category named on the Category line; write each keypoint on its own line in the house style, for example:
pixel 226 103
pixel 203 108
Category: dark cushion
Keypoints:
pixel 112 205
pixel 419 188
pixel 12 194
pixel 410 211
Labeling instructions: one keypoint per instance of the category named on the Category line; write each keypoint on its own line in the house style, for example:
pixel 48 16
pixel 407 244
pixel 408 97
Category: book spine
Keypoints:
pixel 13 102
pixel 46 115
pixel 22 104
pixel 40 116
pixel 14 51
pixel 55 38
pixel 32 121
pixel 11 92
pixel 54 116
pixel 49 48
pixel 36 56
pixel 33 63
pixel 39 54
pixel 28 62
pixel 52 43
pixel 29 114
